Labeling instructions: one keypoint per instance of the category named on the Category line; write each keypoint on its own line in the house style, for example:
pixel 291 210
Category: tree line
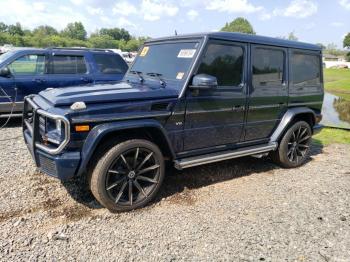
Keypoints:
pixel 242 25
pixel 74 34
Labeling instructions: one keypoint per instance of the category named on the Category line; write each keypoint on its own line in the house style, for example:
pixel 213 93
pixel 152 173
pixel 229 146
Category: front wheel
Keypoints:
pixel 294 147
pixel 128 176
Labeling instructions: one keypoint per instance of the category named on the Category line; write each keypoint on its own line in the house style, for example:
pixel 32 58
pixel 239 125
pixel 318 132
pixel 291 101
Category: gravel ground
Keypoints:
pixel 245 209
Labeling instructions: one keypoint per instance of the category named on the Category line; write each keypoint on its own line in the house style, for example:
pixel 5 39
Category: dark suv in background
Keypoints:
pixel 189 100
pixel 29 71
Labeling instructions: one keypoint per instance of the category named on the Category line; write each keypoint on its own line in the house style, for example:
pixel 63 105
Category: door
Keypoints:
pixel 68 70
pixel 29 74
pixel 7 93
pixel 268 92
pixel 109 68
pixel 215 117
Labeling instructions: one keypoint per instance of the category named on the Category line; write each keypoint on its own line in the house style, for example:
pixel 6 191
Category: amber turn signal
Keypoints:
pixel 82 128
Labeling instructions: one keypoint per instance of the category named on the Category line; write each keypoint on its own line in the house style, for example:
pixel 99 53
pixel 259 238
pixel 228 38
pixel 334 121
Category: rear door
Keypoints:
pixel 215 117
pixel 268 92
pixel 109 67
pixel 68 69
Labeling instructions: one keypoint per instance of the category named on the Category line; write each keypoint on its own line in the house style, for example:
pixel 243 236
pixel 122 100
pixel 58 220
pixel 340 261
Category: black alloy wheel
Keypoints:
pixel 294 147
pixel 128 176
pixel 132 176
pixel 299 144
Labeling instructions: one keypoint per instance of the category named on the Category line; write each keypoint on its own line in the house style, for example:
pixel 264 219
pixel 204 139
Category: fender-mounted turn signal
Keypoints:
pixel 82 128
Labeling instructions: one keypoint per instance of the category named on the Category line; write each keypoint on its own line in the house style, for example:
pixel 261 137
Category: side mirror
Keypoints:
pixel 204 82
pixel 5 72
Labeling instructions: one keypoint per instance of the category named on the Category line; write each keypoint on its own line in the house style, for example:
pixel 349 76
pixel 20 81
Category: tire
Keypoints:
pixel 128 176
pixel 294 147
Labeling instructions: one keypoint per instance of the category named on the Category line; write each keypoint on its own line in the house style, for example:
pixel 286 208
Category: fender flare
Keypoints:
pixel 100 131
pixel 287 119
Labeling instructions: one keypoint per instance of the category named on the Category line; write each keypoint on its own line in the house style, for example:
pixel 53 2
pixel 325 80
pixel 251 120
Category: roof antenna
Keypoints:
pixel 175 32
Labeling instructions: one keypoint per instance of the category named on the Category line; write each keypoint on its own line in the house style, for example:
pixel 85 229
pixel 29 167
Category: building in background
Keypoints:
pixel 333 61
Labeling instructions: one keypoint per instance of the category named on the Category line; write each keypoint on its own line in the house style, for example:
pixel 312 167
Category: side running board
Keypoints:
pixel 224 155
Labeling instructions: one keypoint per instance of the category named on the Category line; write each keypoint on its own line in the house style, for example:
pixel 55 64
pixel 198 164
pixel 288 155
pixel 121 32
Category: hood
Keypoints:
pixel 106 93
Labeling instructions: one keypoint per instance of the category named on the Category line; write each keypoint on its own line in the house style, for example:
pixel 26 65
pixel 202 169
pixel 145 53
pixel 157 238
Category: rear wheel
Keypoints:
pixel 128 176
pixel 294 147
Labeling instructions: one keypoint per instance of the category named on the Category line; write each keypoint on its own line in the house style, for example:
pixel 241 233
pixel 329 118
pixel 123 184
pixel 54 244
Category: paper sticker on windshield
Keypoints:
pixel 186 53
pixel 144 51
pixel 180 75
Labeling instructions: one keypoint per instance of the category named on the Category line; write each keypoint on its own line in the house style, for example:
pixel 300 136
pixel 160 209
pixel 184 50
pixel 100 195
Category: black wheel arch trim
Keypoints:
pixel 100 131
pixel 287 118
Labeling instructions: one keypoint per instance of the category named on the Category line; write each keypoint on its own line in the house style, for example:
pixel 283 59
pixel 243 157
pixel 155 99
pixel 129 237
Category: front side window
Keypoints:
pixel 268 67
pixel 67 64
pixel 305 69
pixel 110 64
pixel 169 60
pixel 28 65
pixel 225 62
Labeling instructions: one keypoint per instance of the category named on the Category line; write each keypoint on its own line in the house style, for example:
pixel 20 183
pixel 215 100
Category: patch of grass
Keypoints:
pixel 337 80
pixel 332 135
pixel 342 95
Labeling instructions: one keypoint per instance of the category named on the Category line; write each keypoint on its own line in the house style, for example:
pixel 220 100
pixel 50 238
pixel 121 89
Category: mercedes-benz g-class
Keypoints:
pixel 189 100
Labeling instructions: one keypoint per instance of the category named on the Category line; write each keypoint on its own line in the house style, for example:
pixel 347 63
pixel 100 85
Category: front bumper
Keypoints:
pixel 63 166
pixel 54 162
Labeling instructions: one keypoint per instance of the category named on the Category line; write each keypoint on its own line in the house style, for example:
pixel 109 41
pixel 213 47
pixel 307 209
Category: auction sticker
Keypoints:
pixel 144 51
pixel 186 53
pixel 180 75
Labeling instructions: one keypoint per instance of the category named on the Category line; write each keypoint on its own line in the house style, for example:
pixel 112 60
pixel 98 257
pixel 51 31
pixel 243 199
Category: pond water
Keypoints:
pixel 336 111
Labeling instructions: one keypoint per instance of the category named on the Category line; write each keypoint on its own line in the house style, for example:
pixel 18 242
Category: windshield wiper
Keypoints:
pixel 139 74
pixel 161 81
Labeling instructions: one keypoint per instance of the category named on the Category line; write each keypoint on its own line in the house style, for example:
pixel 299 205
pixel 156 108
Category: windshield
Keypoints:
pixel 170 61
pixel 5 56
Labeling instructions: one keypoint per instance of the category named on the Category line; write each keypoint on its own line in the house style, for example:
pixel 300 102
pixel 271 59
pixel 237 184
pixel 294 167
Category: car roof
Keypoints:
pixel 81 49
pixel 239 37
pixel 61 49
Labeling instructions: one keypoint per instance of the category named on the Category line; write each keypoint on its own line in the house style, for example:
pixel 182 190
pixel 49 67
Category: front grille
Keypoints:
pixel 47 165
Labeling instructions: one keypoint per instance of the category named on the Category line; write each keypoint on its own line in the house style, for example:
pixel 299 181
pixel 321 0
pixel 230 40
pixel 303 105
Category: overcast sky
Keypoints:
pixel 312 21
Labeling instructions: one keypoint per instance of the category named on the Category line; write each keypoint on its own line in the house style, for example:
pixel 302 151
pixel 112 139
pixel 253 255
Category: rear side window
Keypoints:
pixel 28 65
pixel 305 69
pixel 268 67
pixel 67 64
pixel 110 64
pixel 225 62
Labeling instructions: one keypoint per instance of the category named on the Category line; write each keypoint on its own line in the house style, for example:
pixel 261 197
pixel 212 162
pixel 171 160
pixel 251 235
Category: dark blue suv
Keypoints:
pixel 29 71
pixel 188 100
